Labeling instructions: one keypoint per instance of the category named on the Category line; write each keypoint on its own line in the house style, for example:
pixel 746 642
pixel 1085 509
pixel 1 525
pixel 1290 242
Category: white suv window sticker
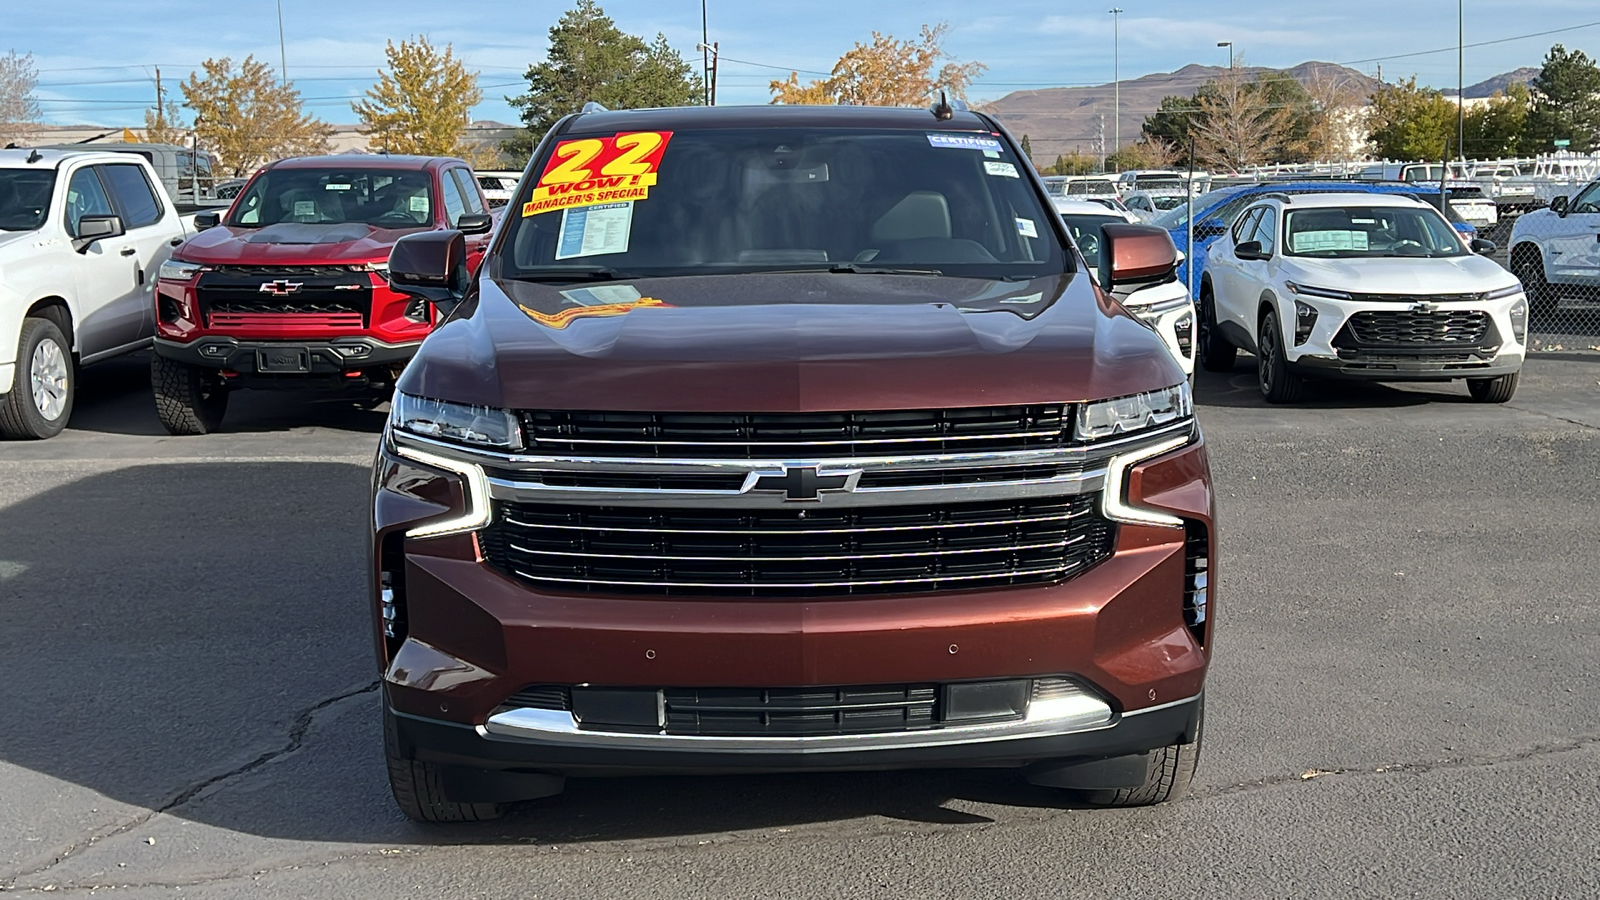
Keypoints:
pixel 1313 241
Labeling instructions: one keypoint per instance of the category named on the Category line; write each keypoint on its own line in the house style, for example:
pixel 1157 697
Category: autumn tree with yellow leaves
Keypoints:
pixel 246 117
pixel 886 72
pixel 421 103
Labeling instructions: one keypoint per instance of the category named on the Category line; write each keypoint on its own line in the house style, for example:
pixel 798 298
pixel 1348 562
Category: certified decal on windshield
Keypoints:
pixel 590 171
pixel 965 141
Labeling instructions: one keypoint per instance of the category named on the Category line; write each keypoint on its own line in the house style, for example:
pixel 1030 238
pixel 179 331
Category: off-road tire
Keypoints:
pixel 1214 352
pixel 1278 383
pixel 1493 390
pixel 418 787
pixel 189 399
pixel 19 414
pixel 1528 266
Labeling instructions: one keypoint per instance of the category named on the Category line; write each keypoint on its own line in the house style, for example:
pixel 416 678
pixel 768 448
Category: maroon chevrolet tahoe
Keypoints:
pixel 783 439
pixel 290 288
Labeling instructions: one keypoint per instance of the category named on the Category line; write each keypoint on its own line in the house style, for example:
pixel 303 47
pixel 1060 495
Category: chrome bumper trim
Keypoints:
pixel 1080 711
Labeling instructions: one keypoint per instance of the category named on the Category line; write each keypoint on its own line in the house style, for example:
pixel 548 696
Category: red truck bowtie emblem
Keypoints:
pixel 280 287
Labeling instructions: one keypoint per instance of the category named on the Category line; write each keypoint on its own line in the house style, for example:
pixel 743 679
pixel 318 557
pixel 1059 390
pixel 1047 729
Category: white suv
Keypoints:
pixel 1373 286
pixel 1556 252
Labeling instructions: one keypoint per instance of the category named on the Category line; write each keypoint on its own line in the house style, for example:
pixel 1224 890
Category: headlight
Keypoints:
pixel 1325 293
pixel 1139 412
pixel 178 270
pixel 1519 320
pixel 479 426
pixel 1502 293
pixel 382 268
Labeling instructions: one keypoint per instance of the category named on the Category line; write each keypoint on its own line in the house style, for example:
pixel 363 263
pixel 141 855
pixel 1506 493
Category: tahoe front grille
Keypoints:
pixel 1413 329
pixel 825 435
pixel 797 552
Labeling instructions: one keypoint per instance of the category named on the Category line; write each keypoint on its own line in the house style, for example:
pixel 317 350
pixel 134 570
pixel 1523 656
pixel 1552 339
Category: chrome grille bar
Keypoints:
pixel 769 531
pixel 1054 571
pixel 1047 545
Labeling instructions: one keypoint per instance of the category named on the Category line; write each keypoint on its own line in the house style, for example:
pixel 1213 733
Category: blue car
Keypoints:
pixel 1215 211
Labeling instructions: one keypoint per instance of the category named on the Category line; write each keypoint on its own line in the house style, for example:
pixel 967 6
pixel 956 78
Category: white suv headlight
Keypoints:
pixel 1138 412
pixel 478 426
pixel 178 270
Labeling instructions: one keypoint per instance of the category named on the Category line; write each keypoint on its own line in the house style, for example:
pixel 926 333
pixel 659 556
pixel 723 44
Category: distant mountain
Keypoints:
pixel 1490 86
pixel 1061 120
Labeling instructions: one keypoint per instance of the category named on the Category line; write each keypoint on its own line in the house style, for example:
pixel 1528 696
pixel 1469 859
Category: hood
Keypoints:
pixel 788 343
pixel 16 238
pixel 292 244
pixel 1402 275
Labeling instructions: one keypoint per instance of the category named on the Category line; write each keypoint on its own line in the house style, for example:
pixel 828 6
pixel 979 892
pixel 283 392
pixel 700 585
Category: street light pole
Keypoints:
pixel 1116 74
pixel 1229 45
pixel 283 56
pixel 705 55
pixel 1461 101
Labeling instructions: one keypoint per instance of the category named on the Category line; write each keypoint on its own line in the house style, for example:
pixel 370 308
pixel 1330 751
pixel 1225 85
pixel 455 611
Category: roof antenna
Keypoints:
pixel 34 157
pixel 942 110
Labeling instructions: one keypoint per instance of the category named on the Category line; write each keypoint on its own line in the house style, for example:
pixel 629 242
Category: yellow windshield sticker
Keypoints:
pixel 567 316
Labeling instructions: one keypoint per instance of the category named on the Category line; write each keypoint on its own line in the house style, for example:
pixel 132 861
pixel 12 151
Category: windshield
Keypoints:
pixel 1164 202
pixel 772 199
pixel 1375 231
pixel 25 198
pixel 1587 200
pixel 383 198
pixel 1085 231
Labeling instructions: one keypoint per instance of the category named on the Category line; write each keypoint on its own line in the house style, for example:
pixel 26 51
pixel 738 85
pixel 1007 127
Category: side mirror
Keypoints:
pixel 94 228
pixel 1559 206
pixel 1135 254
pixel 205 220
pixel 1249 250
pixel 1210 228
pixel 475 223
pixel 431 265
pixel 1483 246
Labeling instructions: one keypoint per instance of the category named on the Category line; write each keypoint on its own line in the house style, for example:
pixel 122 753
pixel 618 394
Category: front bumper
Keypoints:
pixel 1391 367
pixel 468 637
pixel 286 357
pixel 1330 350
pixel 579 753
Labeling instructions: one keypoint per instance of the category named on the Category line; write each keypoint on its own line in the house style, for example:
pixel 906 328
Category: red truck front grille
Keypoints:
pixel 292 300
pixel 288 321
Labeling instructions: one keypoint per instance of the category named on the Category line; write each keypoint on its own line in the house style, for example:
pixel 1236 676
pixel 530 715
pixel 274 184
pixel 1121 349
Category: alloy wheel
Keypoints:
pixel 48 373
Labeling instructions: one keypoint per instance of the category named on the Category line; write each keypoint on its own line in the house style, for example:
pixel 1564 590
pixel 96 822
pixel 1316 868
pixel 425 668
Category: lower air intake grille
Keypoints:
pixel 800 711
pixel 797 552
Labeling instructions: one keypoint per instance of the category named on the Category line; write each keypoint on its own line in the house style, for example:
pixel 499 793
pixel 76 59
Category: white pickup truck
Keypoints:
pixel 82 239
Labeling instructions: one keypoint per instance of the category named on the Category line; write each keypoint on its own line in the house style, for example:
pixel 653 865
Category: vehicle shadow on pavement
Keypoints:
pixel 114 397
pixel 1237 389
pixel 192 638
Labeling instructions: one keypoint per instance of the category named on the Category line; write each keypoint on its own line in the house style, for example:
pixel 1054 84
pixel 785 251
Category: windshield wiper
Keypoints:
pixel 858 269
pixel 572 273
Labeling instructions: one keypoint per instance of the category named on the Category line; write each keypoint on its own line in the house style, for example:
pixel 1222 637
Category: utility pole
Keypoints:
pixel 1116 75
pixel 161 109
pixel 716 66
pixel 705 56
pixel 1461 100
pixel 283 56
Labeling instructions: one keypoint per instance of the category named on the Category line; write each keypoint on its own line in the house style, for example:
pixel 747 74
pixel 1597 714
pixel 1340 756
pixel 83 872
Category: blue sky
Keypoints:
pixel 97 57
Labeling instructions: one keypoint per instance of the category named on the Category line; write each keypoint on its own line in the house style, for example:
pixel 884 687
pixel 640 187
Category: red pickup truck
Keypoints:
pixel 290 288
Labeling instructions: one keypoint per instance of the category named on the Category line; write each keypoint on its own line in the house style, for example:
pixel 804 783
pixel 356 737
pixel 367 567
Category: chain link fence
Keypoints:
pixel 1555 251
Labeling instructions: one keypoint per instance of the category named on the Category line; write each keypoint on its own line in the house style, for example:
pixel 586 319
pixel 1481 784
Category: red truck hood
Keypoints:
pixel 788 343
pixel 292 244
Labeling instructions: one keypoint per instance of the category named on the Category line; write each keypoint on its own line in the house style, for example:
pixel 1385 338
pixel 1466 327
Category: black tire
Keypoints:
pixel 1278 383
pixel 1168 778
pixel 418 787
pixel 1214 351
pixel 1493 390
pixel 1528 266
pixel 189 399
pixel 23 412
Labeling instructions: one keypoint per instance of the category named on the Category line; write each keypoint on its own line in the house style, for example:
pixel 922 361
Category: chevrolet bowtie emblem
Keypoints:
pixel 801 483
pixel 280 287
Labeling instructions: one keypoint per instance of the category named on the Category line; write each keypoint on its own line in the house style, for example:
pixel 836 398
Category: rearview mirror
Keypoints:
pixel 475 223
pixel 1135 254
pixel 1249 250
pixel 1210 228
pixel 205 220
pixel 431 265
pixel 1559 206
pixel 94 228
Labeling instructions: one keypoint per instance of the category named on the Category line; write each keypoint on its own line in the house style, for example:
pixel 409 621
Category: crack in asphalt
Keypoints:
pixel 298 730
pixel 1550 748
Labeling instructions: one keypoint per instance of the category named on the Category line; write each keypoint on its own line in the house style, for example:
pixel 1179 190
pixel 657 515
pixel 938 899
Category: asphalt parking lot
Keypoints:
pixel 1403 703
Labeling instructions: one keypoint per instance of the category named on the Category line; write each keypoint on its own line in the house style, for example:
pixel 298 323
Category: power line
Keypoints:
pixel 1453 47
